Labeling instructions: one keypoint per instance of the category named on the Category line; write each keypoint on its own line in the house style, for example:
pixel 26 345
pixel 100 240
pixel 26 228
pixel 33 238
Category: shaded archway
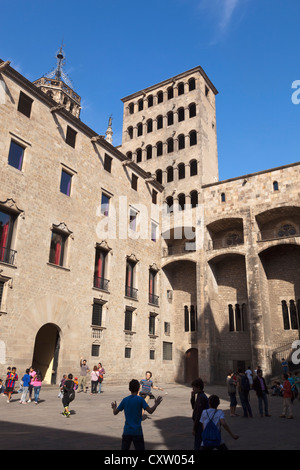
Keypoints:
pixel 191 369
pixel 46 351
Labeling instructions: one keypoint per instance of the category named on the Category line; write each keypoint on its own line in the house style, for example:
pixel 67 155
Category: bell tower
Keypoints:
pixel 58 86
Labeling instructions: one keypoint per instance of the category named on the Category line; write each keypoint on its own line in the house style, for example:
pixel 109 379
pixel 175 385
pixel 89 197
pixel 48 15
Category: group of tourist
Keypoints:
pixel 31 382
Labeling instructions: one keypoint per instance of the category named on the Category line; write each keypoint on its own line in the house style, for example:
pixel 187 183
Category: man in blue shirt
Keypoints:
pixel 133 407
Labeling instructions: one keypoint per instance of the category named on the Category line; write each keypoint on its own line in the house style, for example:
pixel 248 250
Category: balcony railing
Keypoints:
pixel 131 292
pixel 153 299
pixel 101 283
pixel 7 255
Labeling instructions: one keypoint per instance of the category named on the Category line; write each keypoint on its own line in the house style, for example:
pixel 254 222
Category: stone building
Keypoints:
pixel 137 256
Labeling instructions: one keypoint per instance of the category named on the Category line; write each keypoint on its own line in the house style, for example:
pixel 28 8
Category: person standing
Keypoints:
pixel 249 375
pixel 68 390
pixel 198 405
pixel 133 405
pixel 26 381
pixel 260 387
pixel 32 374
pixel 101 371
pixel 231 388
pixel 11 379
pixel 84 370
pixel 37 385
pixel 147 386
pixel 287 398
pixel 94 380
pixel 244 389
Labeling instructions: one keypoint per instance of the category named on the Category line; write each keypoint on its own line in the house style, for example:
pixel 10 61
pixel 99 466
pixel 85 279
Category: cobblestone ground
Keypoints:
pixel 92 425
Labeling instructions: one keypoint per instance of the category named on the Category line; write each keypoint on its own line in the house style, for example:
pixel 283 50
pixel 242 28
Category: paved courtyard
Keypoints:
pixel 92 425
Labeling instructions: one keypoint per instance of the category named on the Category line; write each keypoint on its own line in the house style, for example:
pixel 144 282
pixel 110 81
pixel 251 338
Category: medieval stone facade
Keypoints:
pixel 137 256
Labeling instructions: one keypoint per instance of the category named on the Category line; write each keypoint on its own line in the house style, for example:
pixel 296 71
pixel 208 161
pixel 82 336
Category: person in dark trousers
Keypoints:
pixel 68 390
pixel 244 389
pixel 199 402
pixel 132 407
pixel 261 389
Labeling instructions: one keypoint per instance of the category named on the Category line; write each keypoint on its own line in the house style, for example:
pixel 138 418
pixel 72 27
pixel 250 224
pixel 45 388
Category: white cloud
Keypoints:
pixel 227 13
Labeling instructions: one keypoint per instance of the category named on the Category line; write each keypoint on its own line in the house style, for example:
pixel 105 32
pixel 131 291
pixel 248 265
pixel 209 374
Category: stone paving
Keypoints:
pixel 92 425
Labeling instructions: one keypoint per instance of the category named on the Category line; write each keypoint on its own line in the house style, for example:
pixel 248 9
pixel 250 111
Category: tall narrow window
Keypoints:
pixel 149 152
pixel 128 320
pixel 139 129
pixel 7 221
pixel 181 201
pixel 100 269
pixel 154 196
pixel 153 298
pixel 193 138
pixel 150 101
pixel 160 122
pixel 57 248
pixel 180 88
pixel 131 108
pixel 105 204
pixel 223 197
pixel 130 290
pixel 170 118
pixel 138 155
pixel 275 186
pixel 65 183
pixel 132 219
pixel 71 136
pixel 169 204
pixel 170 174
pixel 130 132
pixel 170 93
pixel 293 315
pixel 186 318
pixel 153 231
pixel 192 110
pixel 149 126
pixel 231 317
pixel 167 351
pixel 25 104
pixel 97 314
pixel 193 318
pixel 285 315
pixel 180 114
pixel 159 176
pixel 192 84
pixel 181 171
pixel 1 293
pixel 134 181
pixel 160 97
pixel 181 142
pixel 107 163
pixel 140 105
pixel 194 198
pixel 159 149
pixel 193 167
pixel 152 323
pixel 170 145
pixel 16 155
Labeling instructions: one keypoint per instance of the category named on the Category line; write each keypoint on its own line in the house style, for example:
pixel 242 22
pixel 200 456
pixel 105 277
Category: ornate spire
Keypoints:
pixel 58 73
pixel 109 132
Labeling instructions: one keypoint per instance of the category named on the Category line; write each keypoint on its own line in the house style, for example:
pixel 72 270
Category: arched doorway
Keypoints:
pixel 46 351
pixel 191 365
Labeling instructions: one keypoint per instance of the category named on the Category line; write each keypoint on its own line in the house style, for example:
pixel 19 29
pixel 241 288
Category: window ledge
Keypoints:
pixel 8 264
pixel 3 313
pixel 130 298
pixel 101 290
pixel 153 336
pixel 58 266
pixel 129 332
pixel 98 327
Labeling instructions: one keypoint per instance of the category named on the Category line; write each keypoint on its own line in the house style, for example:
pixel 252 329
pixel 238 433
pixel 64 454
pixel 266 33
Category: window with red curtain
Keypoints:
pixel 129 278
pixel 100 261
pixel 6 228
pixel 57 248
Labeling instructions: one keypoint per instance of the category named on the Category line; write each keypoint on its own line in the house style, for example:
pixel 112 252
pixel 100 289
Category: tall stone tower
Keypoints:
pixel 58 86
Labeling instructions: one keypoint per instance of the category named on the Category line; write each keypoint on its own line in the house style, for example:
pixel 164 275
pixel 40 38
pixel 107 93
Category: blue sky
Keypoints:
pixel 248 48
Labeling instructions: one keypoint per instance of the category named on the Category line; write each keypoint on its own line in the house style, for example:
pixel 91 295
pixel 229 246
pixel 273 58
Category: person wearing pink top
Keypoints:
pixel 36 382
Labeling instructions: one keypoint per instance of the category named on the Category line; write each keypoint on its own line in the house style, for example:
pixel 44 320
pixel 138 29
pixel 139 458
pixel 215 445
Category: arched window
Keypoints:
pixel 193 167
pixel 139 129
pixel 186 319
pixel 141 104
pixel 160 97
pixel 149 125
pixel 160 122
pixel 149 152
pixel 193 138
pixel 194 198
pixel 181 171
pixel 192 84
pixel 223 197
pixel 180 88
pixel 275 186
pixel 130 132
pixel 170 93
pixel 139 155
pixel 169 201
pixel 192 110
pixel 159 176
pixel 129 155
pixel 170 118
pixel 181 142
pixel 159 149
pixel 150 101
pixel 170 174
pixel 180 114
pixel 181 201
pixel 131 108
pixel 170 145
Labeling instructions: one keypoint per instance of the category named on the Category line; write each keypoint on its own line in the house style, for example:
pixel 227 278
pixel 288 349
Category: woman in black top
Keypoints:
pixel 68 394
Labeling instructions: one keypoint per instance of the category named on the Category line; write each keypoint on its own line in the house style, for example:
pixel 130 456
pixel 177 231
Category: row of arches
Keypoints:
pixel 182 200
pixel 171 145
pixel 161 96
pixel 161 121
pixel 181 172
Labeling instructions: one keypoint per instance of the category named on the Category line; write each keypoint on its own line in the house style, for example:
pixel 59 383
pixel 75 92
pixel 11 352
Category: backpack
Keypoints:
pixel 211 436
pixel 245 385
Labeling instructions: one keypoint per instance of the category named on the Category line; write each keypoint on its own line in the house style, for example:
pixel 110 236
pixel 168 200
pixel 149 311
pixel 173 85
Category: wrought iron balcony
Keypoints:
pixel 131 292
pixel 101 283
pixel 153 299
pixel 7 255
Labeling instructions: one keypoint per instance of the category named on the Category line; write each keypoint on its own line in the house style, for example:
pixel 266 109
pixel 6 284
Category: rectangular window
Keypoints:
pixel 100 268
pixel 127 353
pixel 128 320
pixel 153 298
pixel 107 163
pixel 65 183
pixel 95 350
pixel 153 231
pixel 25 104
pixel 130 291
pixel 1 292
pixel 152 354
pixel 97 314
pixel 134 181
pixel 104 204
pixel 167 328
pixel 57 248
pixel 16 155
pixel 7 221
pixel 132 219
pixel 154 197
pixel 71 136
pixel 152 324
pixel 167 351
